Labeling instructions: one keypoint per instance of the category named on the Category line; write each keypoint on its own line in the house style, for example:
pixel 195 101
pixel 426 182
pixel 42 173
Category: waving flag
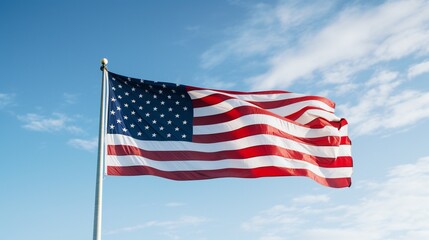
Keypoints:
pixel 189 133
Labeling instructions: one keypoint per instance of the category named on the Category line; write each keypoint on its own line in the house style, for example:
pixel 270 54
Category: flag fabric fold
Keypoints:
pixel 189 133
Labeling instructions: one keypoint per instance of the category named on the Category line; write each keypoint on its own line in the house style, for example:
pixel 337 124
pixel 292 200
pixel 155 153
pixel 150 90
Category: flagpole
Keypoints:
pixel 100 163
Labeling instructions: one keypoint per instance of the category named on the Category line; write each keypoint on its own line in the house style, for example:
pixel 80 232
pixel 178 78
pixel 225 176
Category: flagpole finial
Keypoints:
pixel 104 62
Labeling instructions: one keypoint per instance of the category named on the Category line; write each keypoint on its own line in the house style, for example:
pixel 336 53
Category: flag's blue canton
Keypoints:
pixel 148 110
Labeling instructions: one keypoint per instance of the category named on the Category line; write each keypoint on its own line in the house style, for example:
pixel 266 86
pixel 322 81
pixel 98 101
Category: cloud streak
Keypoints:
pixel 84 144
pixel 395 208
pixel 56 122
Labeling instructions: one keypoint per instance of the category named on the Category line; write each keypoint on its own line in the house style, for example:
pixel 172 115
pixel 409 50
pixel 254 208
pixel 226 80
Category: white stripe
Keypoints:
pixel 197 94
pixel 230 104
pixel 249 163
pixel 288 127
pixel 257 140
pixel 312 114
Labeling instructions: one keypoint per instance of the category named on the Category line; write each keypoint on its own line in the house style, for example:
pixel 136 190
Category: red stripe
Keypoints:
pixel 230 172
pixel 248 110
pixel 252 130
pixel 239 154
pixel 218 98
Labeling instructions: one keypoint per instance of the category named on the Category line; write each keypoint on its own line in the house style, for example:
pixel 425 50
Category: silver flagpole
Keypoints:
pixel 101 147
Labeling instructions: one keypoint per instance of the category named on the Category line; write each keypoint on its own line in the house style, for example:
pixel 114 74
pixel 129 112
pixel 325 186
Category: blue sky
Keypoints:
pixel 372 59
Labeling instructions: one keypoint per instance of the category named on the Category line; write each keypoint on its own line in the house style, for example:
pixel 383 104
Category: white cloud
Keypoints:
pixel 174 204
pixel 335 46
pixel 54 123
pixel 70 98
pixel 394 208
pixel 357 39
pixel 264 31
pixel 310 199
pixel 418 69
pixel 184 221
pixel 5 99
pixel 84 144
pixel 385 104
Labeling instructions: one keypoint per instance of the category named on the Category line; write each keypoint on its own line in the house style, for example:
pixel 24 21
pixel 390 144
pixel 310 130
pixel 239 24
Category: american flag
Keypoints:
pixel 189 133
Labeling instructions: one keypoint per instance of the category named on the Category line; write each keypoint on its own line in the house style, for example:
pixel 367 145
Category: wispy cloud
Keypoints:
pixel 174 204
pixel 84 144
pixel 55 122
pixel 169 225
pixel 394 208
pixel 386 103
pixel 310 199
pixel 418 69
pixel 356 39
pixel 70 98
pixel 6 99
pixel 266 30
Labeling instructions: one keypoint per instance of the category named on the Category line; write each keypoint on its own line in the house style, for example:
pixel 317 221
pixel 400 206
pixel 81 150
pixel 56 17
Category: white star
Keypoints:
pixel 172 90
pixel 161 116
pixel 169 97
pixel 139 120
pixel 126 94
pixel 177 115
pixel 124 130
pixel 118 121
pixel 185 108
pixel 139 133
pixel 140 107
pixel 160 91
pixel 113 88
pixel 177 102
pixel 147 102
pixel 154 121
pixel 153 134
pixel 183 96
pixel 168 135
pixel 185 122
pixel 132 125
pixel 169 122
pixel 162 102
pixel 164 86
pixel 170 109
pixel 146 127
pixel 161 128
pixel 154 96
pixel 147 114
pixel 133 89
pixel 118 108
pixel 140 95
pixel 112 112
pixel 176 129
pixel 112 126
pixel 119 96
pixel 126 117
pixel 113 99
pixel 133 101
pixel 120 86
pixel 133 113
pixel 126 105
pixel 155 109
pixel 184 136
